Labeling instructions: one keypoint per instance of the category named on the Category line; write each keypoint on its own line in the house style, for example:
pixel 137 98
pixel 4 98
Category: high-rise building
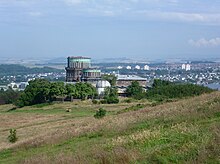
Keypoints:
pixel 188 67
pixel 183 66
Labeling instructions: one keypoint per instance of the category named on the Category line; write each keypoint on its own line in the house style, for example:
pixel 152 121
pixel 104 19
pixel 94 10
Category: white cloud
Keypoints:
pixel 205 43
pixel 182 17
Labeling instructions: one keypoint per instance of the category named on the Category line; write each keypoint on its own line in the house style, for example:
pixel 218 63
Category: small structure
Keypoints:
pixel 125 80
pixel 3 87
pixel 101 85
pixel 146 67
pixel 18 86
pixel 137 67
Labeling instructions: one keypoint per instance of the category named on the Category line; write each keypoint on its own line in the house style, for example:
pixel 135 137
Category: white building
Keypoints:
pixel 146 67
pixel 183 66
pixel 188 67
pixel 101 85
pixel 120 67
pixel 128 67
pixel 18 86
pixel 137 67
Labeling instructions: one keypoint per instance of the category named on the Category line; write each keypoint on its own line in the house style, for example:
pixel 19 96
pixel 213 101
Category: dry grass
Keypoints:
pixel 35 130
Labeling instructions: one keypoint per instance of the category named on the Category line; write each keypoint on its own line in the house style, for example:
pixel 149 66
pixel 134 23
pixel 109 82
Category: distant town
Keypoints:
pixel 196 72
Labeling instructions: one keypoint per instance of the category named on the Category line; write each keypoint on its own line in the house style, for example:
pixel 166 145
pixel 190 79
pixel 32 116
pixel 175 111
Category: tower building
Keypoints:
pixel 75 66
pixel 79 69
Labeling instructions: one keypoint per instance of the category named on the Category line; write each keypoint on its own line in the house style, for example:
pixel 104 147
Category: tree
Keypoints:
pixel 111 95
pixel 38 91
pixel 110 78
pixel 134 90
pixel 159 83
pixel 81 90
pixel 71 91
pixel 57 89
pixel 9 96
pixel 85 90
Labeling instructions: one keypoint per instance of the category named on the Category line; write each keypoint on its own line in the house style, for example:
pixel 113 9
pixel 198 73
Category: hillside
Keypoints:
pixel 182 131
pixel 15 69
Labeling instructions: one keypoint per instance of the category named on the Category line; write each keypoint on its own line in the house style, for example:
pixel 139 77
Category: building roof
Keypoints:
pixel 130 77
pixel 78 57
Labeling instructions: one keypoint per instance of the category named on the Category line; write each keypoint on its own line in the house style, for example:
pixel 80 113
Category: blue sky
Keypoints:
pixel 150 29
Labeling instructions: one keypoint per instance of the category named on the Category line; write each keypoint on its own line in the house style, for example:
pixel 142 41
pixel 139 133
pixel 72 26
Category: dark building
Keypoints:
pixel 79 69
pixel 75 66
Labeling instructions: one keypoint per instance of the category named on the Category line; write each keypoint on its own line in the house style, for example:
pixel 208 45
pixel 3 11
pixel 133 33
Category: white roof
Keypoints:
pixel 130 77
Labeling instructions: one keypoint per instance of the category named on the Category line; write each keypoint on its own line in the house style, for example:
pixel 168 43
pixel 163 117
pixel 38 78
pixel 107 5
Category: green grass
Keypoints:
pixel 191 136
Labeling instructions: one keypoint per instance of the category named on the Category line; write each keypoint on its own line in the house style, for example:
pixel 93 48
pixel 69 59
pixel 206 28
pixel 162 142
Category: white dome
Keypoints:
pixel 103 84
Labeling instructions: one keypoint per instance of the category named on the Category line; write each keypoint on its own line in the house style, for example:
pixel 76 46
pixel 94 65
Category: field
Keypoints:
pixel 181 131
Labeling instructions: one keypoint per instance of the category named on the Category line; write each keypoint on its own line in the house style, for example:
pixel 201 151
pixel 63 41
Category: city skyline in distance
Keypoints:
pixel 110 29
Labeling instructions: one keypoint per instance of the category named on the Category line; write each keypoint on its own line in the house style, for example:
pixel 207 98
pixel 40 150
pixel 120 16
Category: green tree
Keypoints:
pixel 159 83
pixel 57 89
pixel 71 91
pixel 111 95
pixel 134 90
pixel 9 96
pixel 38 91
pixel 81 90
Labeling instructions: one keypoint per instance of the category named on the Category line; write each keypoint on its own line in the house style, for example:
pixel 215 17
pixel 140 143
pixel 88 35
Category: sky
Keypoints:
pixel 148 29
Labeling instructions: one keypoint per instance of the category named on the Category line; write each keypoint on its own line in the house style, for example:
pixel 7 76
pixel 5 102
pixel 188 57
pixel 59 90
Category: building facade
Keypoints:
pixel 79 69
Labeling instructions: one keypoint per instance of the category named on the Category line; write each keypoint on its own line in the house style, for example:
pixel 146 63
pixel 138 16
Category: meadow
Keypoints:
pixel 176 131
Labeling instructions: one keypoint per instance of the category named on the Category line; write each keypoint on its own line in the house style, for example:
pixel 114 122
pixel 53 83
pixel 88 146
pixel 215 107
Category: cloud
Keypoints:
pixel 213 18
pixel 159 10
pixel 215 42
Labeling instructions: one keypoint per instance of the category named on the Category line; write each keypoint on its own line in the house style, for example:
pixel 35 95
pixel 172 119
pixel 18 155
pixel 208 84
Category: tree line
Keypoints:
pixel 162 90
pixel 41 91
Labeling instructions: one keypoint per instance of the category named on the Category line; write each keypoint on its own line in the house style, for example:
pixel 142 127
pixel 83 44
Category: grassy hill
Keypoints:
pixel 182 131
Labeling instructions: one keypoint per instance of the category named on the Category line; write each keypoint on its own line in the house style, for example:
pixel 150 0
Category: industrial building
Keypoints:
pixel 79 69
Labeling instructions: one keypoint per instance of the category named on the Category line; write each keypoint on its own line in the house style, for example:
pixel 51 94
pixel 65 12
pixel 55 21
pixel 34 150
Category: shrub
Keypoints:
pixel 100 113
pixel 104 101
pixel 95 101
pixel 112 100
pixel 12 136
pixel 127 100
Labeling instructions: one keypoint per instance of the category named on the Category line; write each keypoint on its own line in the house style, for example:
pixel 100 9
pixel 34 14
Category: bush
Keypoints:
pixel 100 113
pixel 104 101
pixel 127 100
pixel 112 100
pixel 12 136
pixel 95 101
pixel 164 91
